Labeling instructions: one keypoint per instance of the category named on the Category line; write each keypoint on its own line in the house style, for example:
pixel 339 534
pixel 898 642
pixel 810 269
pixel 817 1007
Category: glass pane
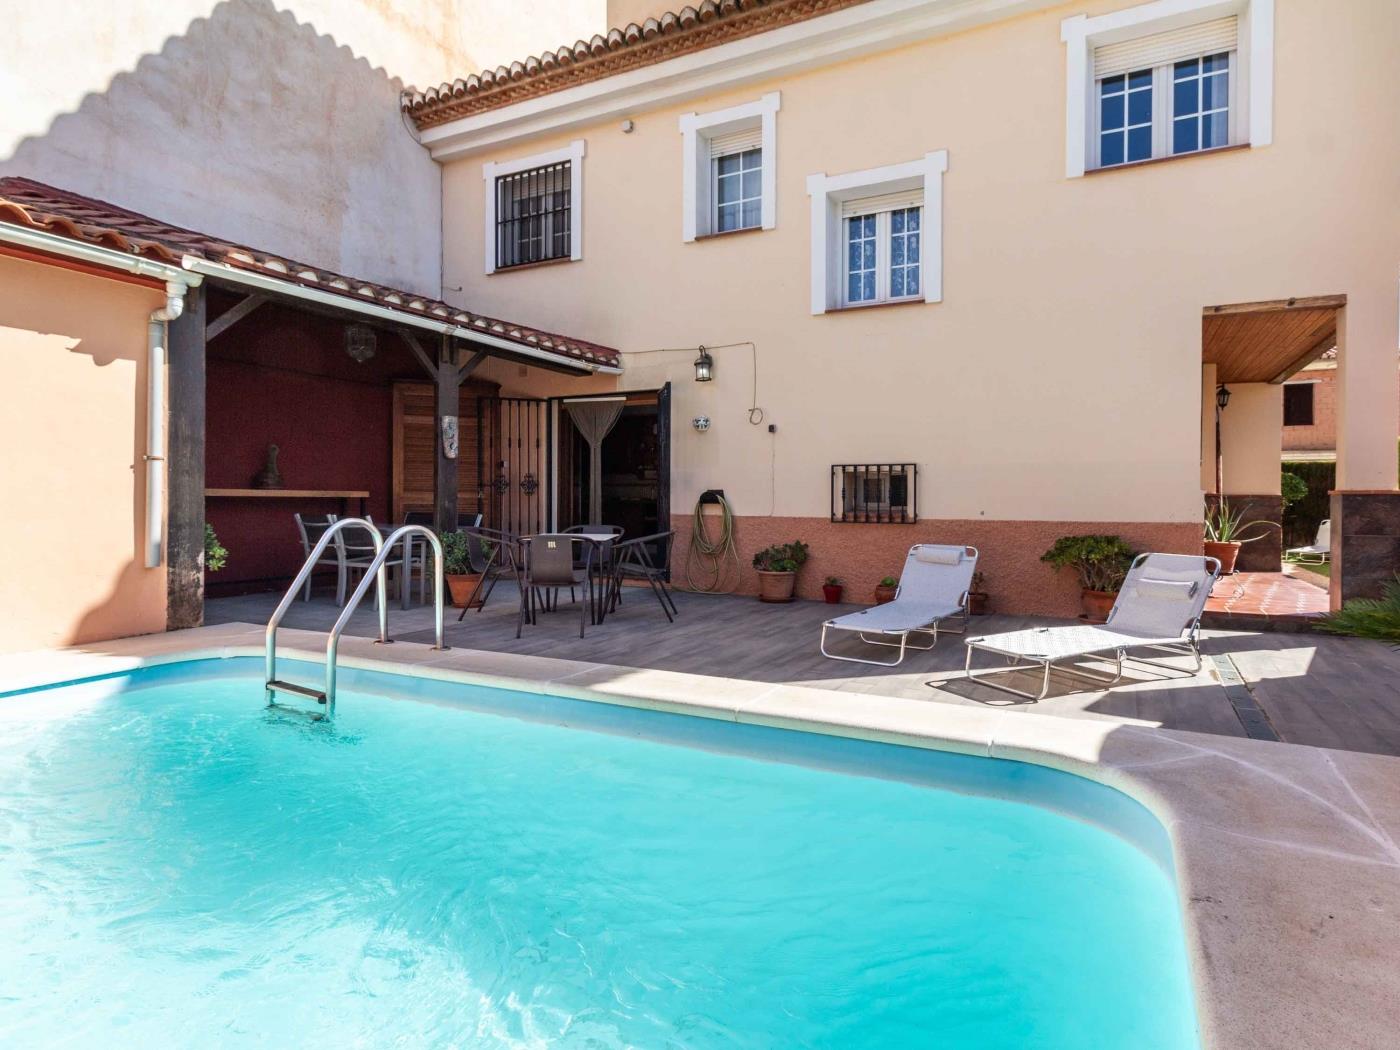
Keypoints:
pixel 1111 148
pixel 1184 95
pixel 853 255
pixel 1140 107
pixel 867 286
pixel 897 221
pixel 868 263
pixel 1184 135
pixel 751 160
pixel 1111 85
pixel 1140 143
pixel 1141 79
pixel 752 187
pixel 752 213
pixel 869 225
pixel 728 189
pixel 911 281
pixel 1215 130
pixel 897 283
pixel 896 251
pixel 1215 91
pixel 914 214
pixel 728 164
pixel 1112 112
pixel 728 217
pixel 1189 68
pixel 853 288
pixel 911 248
pixel 1212 63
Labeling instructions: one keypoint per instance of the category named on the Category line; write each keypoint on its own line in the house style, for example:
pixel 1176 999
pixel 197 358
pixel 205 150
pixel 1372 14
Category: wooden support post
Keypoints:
pixel 448 382
pixel 184 602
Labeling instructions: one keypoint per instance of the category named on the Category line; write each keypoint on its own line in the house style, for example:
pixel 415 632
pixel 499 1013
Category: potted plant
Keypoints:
pixel 1101 562
pixel 215 555
pixel 457 567
pixel 777 570
pixel 1227 532
pixel 831 590
pixel 885 589
pixel 978 600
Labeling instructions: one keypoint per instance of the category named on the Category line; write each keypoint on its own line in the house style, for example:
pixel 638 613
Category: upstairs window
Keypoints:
pixel 729 169
pixel 883 249
pixel 533 215
pixel 736 172
pixel 1298 404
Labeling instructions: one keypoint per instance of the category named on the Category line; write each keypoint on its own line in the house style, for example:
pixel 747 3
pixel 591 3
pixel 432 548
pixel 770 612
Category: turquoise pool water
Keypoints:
pixel 181 867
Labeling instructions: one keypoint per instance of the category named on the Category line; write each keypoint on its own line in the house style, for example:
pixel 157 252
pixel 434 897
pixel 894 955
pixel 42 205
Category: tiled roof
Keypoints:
pixel 24 202
pixel 675 33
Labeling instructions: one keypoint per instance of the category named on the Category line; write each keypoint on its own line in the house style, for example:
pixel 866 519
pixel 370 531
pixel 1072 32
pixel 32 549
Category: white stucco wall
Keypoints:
pixel 273 124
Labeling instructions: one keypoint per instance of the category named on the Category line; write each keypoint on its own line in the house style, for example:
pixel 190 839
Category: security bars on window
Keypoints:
pixel 874 493
pixel 533 215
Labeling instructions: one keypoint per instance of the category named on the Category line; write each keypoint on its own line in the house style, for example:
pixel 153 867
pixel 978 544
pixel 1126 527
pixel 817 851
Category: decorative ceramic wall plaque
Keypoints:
pixel 449 436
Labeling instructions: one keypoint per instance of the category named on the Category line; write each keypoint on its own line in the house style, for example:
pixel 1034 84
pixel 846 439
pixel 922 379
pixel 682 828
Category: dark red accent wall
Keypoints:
pixel 282 377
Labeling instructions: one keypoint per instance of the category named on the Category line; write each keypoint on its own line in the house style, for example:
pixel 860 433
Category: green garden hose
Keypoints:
pixel 716 555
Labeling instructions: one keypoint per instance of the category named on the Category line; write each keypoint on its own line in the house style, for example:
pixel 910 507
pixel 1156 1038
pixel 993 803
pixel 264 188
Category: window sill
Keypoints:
pixel 1167 160
pixel 858 307
pixel 727 233
pixel 531 265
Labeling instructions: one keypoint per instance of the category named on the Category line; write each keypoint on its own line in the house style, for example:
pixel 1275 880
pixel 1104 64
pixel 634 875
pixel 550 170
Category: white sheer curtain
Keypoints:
pixel 594 420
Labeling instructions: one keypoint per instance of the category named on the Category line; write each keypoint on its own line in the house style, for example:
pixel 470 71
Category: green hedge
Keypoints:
pixel 1301 519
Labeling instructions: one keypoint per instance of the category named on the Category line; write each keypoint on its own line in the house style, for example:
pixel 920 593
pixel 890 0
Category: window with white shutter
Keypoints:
pixel 729 181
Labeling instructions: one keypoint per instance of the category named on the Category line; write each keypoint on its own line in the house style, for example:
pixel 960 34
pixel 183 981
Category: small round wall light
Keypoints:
pixel 704 367
pixel 701 423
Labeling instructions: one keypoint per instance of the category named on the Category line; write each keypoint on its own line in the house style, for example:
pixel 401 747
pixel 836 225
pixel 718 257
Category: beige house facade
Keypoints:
pixel 1049 374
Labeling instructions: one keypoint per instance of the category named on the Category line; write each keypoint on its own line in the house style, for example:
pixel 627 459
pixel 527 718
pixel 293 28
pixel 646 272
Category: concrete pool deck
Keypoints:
pixel 1287 861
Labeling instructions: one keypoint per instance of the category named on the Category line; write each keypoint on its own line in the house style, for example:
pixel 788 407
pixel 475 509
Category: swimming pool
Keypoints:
pixel 181 866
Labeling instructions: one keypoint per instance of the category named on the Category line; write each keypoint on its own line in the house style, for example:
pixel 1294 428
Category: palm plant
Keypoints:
pixel 1377 618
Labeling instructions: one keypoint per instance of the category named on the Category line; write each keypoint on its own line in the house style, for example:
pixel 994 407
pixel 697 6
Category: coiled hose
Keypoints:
pixel 716 555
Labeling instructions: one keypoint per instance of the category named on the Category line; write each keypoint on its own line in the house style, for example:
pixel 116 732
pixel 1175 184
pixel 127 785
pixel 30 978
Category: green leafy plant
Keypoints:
pixel 1224 524
pixel 889 581
pixel 833 581
pixel 215 555
pixel 1102 562
pixel 1293 488
pixel 781 557
pixel 456 556
pixel 1377 618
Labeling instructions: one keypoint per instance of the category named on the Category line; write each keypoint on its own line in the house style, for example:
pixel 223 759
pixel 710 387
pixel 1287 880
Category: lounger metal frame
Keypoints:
pixel 1189 645
pixel 964 613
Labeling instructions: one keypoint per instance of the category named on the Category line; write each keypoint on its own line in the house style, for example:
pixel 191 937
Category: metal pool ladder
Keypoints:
pixel 375 571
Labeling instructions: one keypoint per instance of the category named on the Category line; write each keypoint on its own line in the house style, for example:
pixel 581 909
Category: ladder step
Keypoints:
pixel 300 690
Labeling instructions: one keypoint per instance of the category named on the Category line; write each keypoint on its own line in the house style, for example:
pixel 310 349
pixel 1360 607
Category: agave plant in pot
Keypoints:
pixel 1101 562
pixel 1227 531
pixel 777 570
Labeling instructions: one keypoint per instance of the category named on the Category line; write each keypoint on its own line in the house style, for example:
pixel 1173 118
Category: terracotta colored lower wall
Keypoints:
pixel 73 376
pixel 860 555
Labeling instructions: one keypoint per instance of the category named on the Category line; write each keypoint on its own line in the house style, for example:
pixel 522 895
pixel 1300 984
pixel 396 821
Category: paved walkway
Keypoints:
pixel 1263 600
pixel 1309 688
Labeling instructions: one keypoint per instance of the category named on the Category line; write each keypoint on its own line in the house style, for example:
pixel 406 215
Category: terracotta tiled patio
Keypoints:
pixel 1264 600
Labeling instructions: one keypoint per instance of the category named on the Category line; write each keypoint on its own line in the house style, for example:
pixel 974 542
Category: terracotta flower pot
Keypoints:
pixel 832 593
pixel 1226 553
pixel 461 588
pixel 776 586
pixel 978 602
pixel 1096 604
pixel 884 594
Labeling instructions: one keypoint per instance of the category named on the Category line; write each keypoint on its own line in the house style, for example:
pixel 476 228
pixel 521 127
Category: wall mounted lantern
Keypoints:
pixel 704 367
pixel 1222 396
pixel 359 342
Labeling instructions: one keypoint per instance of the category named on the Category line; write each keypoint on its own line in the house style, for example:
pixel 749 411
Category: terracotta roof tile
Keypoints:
pixel 36 205
pixel 675 33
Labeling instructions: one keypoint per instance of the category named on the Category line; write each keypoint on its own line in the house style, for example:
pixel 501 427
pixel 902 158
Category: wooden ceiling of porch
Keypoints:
pixel 1267 342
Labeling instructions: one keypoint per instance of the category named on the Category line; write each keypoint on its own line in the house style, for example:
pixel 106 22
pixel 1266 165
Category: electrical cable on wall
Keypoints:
pixel 755 413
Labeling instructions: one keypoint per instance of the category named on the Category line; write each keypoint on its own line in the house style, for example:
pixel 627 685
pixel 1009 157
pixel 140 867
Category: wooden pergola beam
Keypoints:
pixel 1309 302
pixel 232 316
pixel 1312 353
pixel 411 341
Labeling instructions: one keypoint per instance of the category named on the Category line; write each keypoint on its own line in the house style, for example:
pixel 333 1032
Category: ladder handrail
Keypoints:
pixel 270 654
pixel 377 566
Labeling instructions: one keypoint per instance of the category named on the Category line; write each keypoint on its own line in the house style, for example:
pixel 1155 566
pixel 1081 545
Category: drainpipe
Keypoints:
pixel 156 332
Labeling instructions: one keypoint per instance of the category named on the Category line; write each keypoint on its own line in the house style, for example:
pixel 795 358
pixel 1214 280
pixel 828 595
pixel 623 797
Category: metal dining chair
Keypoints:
pixel 493 566
pixel 546 567
pixel 644 558
pixel 356 547
pixel 309 528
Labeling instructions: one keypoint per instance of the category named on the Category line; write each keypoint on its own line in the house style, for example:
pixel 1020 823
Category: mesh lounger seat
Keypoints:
pixel 1318 551
pixel 1158 608
pixel 932 587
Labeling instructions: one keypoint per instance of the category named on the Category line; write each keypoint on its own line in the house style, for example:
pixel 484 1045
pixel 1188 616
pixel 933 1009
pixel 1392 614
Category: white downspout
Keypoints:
pixel 156 331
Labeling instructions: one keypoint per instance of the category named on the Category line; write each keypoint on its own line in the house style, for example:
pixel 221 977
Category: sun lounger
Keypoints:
pixel 1158 608
pixel 1316 552
pixel 932 587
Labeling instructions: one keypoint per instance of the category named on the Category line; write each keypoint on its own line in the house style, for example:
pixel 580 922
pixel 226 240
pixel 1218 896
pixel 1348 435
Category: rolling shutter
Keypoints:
pixel 1145 52
pixel 736 141
pixel 884 202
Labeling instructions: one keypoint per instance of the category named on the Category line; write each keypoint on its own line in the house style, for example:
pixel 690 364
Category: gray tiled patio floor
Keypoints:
pixel 1311 688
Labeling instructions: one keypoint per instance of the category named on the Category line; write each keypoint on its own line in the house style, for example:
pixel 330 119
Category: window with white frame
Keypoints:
pixel 532 211
pixel 882 248
pixel 1165 94
pixel 1167 78
pixel 877 235
pixel 729 181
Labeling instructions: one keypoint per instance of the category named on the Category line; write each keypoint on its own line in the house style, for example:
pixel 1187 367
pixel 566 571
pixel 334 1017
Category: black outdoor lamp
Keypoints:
pixel 704 367
pixel 1222 396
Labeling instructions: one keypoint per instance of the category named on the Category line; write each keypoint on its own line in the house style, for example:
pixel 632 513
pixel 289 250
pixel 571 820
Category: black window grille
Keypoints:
pixel 874 493
pixel 1298 404
pixel 534 217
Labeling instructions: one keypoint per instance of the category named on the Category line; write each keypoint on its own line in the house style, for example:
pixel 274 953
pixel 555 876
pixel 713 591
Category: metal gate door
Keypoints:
pixel 513 463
